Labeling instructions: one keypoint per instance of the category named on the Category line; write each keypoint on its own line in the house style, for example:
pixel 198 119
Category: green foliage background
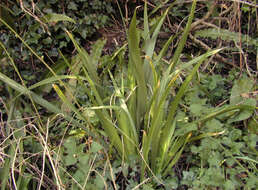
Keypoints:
pixel 48 39
pixel 210 148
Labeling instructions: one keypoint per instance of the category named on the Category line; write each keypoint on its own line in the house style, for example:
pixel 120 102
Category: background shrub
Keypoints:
pixel 27 20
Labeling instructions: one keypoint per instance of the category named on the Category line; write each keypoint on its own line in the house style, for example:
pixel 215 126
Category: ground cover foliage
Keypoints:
pixel 168 102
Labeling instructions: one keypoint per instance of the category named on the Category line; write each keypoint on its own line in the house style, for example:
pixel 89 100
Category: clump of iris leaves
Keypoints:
pixel 143 123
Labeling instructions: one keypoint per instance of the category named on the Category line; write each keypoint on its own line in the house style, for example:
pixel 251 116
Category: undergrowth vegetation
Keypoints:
pixel 156 113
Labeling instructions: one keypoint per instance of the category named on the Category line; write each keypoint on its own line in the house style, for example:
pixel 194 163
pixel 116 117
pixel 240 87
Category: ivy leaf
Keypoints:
pixel 72 6
pixel 253 125
pixel 171 183
pixel 229 185
pixel 95 147
pixel 196 109
pixel 214 125
pixel 195 149
pixel 47 40
pixel 70 145
pixel 83 160
pixel 241 86
pixel 235 134
pixel 185 129
pixel 188 177
pixel 99 182
pixel 79 176
pixel 214 159
pixel 245 114
pixel 252 182
pixel 70 160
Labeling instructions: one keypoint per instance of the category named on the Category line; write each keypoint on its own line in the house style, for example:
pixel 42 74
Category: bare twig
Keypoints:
pixel 31 13
pixel 208 14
